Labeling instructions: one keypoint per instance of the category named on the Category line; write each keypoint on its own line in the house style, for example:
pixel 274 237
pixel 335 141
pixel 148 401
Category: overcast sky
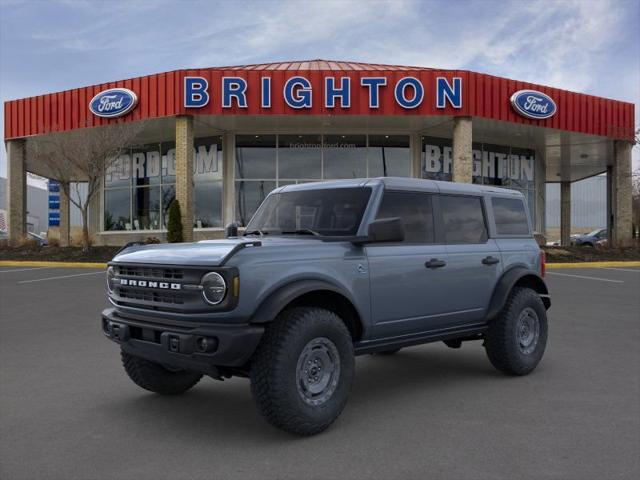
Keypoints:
pixel 582 45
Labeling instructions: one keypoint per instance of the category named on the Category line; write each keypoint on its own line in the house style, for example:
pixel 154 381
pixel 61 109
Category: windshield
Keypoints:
pixel 594 233
pixel 326 212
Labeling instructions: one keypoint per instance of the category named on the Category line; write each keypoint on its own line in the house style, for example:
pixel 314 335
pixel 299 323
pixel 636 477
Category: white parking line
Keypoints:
pixel 585 277
pixel 621 269
pixel 23 269
pixel 63 276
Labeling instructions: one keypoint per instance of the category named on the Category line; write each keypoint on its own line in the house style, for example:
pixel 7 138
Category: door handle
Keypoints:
pixel 435 263
pixel 490 260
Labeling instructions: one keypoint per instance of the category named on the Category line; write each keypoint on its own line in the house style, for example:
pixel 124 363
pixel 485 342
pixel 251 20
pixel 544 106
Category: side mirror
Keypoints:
pixel 231 230
pixel 385 230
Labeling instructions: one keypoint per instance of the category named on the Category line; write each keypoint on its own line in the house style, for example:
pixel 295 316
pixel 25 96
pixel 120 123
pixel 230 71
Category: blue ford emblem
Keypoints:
pixel 533 104
pixel 114 102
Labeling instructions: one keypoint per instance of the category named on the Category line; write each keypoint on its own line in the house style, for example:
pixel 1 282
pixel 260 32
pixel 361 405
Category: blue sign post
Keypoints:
pixel 54 203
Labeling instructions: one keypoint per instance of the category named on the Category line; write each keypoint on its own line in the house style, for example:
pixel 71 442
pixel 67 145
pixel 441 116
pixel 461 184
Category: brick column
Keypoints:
pixel 184 173
pixel 16 191
pixel 65 216
pixel 415 147
pixel 621 186
pixel 462 150
pixel 565 213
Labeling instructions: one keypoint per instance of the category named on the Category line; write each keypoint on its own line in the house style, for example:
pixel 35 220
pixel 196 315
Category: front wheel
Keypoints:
pixel 516 339
pixel 158 378
pixel 302 371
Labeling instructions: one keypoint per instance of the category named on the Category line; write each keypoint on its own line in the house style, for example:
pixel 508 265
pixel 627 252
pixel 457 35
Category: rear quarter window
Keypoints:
pixel 510 216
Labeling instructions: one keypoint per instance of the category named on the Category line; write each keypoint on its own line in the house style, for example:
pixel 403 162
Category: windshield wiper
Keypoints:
pixel 301 231
pixel 255 232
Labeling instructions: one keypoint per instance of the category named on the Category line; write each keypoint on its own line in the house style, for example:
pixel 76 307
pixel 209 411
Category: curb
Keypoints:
pixel 28 263
pixel 593 264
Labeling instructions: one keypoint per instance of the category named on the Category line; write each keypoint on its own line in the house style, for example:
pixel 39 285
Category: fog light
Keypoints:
pixel 206 344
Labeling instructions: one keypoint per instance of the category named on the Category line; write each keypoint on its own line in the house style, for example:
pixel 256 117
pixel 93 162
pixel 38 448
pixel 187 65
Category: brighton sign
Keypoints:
pixel 113 103
pixel 297 92
pixel 533 104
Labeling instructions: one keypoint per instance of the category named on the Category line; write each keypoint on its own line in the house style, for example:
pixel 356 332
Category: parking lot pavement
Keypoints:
pixel 68 411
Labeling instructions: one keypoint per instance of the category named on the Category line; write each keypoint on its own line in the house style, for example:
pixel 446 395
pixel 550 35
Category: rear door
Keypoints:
pixel 408 294
pixel 474 263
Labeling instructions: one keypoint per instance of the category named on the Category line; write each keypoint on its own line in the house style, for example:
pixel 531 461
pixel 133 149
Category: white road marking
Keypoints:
pixel 621 269
pixel 63 276
pixel 23 269
pixel 585 277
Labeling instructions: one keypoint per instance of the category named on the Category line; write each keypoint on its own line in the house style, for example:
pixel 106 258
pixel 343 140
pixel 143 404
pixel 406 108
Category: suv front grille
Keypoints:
pixel 150 272
pixel 130 293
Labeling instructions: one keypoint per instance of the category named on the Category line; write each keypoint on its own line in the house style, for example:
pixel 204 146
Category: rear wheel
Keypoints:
pixel 158 378
pixel 517 338
pixel 302 371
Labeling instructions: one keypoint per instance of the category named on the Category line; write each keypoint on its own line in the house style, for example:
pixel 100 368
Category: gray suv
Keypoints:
pixel 325 272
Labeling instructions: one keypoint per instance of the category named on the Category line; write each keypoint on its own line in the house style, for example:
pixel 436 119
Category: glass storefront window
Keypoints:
pixel 149 172
pixel 344 156
pixel 256 156
pixel 300 156
pixel 389 156
pixel 208 205
pixel 146 208
pixel 117 209
pixel 436 158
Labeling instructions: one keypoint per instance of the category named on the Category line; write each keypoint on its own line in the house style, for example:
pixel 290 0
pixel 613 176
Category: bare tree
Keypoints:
pixel 82 156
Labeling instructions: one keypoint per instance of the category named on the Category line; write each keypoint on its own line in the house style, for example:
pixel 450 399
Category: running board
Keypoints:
pixel 466 332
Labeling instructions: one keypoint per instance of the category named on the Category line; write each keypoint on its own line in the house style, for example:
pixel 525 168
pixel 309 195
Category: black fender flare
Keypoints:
pixel 506 283
pixel 281 297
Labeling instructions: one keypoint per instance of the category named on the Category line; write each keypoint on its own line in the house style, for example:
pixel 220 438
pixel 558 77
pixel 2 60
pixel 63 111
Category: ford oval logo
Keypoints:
pixel 533 104
pixel 114 102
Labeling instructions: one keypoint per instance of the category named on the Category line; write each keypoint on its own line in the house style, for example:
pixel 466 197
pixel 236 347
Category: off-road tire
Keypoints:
pixel 502 342
pixel 275 382
pixel 156 378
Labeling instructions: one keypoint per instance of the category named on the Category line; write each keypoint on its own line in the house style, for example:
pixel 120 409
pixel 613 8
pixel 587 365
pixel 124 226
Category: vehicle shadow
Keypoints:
pixel 226 410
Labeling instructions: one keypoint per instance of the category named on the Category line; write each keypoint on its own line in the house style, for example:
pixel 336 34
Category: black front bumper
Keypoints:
pixel 191 346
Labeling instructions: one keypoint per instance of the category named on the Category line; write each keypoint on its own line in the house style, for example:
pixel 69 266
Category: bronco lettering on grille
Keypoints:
pixel 149 284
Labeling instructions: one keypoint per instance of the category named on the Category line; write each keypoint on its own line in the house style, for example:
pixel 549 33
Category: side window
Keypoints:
pixel 415 211
pixel 463 219
pixel 510 216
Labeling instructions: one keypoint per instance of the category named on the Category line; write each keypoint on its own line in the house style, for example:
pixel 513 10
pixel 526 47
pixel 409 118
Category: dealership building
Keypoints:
pixel 220 139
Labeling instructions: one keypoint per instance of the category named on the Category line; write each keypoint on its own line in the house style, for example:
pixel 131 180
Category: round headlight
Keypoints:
pixel 214 288
pixel 111 273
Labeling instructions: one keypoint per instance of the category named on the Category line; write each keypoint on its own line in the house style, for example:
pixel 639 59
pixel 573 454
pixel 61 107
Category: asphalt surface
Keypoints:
pixel 68 411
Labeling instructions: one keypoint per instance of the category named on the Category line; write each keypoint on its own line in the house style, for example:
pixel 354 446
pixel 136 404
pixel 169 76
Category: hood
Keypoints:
pixel 210 253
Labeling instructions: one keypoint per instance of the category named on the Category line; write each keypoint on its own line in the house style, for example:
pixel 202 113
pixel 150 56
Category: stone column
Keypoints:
pixel 621 185
pixel 565 213
pixel 415 144
pixel 65 216
pixel 16 191
pixel 228 179
pixel 184 173
pixel 462 150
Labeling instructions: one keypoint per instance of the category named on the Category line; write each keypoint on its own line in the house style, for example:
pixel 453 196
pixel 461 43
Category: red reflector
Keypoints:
pixel 543 263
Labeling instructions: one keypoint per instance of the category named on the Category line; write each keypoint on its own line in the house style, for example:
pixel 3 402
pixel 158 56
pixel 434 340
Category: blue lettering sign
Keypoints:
pixel 373 84
pixel 195 92
pixel 297 92
pixel 266 92
pixel 444 92
pixel 234 87
pixel 331 92
pixel 401 94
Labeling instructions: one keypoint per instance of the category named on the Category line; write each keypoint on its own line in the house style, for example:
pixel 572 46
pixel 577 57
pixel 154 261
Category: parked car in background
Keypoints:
pixel 590 239
pixel 39 239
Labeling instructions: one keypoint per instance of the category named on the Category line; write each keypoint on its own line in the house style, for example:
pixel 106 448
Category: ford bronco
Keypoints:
pixel 324 272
